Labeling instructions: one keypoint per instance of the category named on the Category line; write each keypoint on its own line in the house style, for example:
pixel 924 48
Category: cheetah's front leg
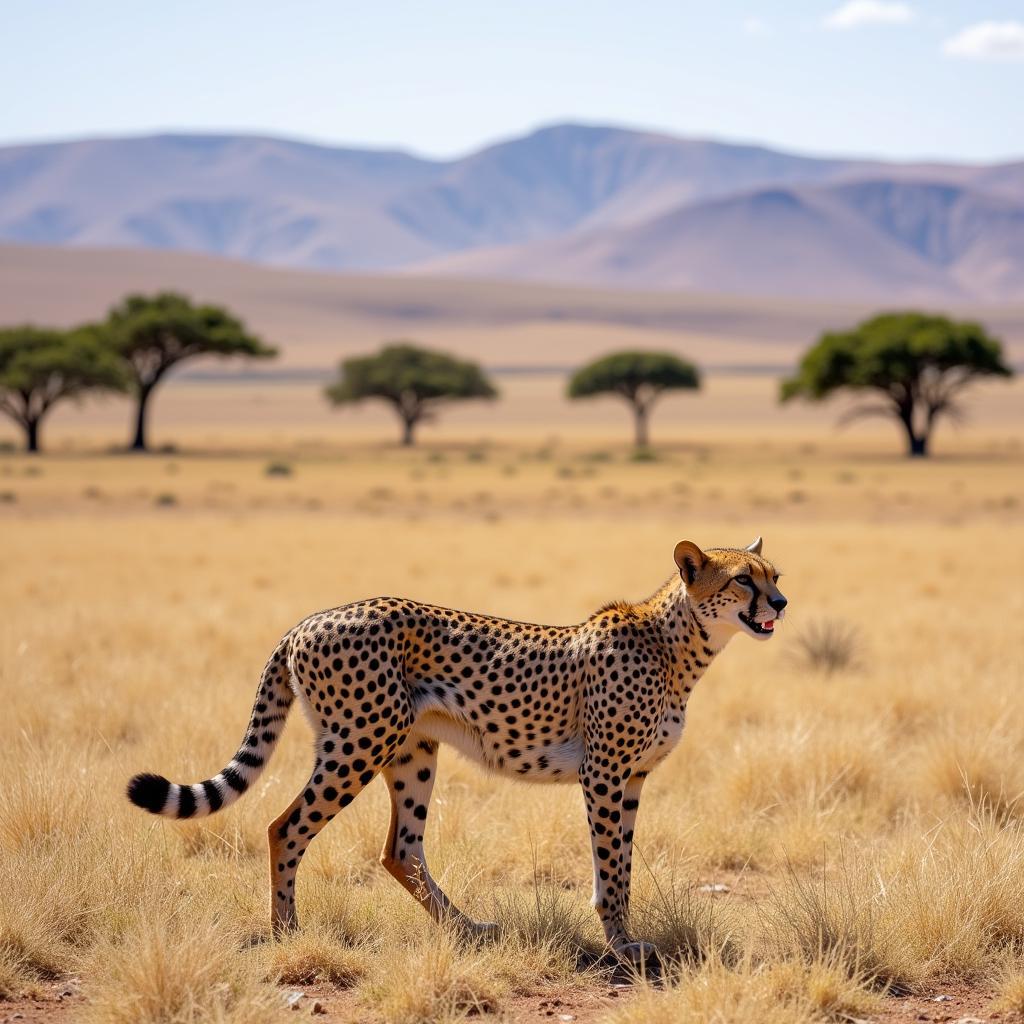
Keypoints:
pixel 612 840
pixel 630 806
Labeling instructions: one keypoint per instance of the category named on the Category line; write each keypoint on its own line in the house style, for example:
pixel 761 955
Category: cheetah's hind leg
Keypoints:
pixel 410 778
pixel 334 784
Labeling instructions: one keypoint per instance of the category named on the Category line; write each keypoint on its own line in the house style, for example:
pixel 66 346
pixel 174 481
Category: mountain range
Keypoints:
pixel 580 204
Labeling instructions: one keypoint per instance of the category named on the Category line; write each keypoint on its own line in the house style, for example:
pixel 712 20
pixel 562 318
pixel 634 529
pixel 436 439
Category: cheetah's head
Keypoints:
pixel 732 586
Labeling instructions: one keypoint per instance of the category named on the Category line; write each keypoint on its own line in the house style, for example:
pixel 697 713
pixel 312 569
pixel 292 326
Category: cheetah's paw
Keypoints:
pixel 640 955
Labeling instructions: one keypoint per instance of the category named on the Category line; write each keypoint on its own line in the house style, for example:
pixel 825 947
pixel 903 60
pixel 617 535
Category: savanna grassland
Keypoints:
pixel 841 825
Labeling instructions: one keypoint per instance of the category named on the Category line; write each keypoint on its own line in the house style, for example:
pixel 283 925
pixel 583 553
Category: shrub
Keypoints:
pixel 829 645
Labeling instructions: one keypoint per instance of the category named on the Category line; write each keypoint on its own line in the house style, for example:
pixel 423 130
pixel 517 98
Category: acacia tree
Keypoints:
pixel 641 378
pixel 41 366
pixel 155 333
pixel 414 381
pixel 916 365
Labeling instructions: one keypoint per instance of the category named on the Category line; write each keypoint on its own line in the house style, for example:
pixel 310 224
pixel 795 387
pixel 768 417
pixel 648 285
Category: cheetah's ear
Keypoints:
pixel 690 559
pixel 755 546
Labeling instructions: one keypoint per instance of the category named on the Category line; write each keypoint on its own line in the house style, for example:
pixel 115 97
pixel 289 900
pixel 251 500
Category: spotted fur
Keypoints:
pixel 384 681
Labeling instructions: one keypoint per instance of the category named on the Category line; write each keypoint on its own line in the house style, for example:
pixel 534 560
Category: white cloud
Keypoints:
pixel 855 13
pixel 988 40
pixel 755 26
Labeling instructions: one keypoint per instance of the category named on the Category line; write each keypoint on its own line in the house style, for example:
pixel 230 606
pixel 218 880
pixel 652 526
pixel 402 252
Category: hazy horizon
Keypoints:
pixel 298 138
pixel 904 81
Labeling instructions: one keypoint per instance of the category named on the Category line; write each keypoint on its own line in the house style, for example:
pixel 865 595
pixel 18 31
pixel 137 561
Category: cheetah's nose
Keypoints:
pixel 778 603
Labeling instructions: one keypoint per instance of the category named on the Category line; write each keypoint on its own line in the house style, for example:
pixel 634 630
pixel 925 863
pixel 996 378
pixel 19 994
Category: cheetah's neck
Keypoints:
pixel 693 641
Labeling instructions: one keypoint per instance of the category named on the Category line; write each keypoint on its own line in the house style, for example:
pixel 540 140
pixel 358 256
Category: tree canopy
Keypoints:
pixel 413 380
pixel 917 365
pixel 638 377
pixel 41 366
pixel 154 333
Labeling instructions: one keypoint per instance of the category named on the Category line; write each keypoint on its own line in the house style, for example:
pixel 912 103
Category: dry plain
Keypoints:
pixel 821 844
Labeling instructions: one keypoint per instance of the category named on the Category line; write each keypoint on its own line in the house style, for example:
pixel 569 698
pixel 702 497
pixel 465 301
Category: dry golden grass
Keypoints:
pixel 782 992
pixel 865 821
pixel 1010 998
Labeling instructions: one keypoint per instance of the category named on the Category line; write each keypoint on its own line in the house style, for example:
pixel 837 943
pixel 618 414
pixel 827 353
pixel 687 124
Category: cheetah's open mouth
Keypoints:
pixel 758 627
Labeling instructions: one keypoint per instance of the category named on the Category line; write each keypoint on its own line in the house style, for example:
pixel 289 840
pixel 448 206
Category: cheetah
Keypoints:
pixel 384 681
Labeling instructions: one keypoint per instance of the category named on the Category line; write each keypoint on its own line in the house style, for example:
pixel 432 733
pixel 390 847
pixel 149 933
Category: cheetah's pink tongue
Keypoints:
pixel 769 625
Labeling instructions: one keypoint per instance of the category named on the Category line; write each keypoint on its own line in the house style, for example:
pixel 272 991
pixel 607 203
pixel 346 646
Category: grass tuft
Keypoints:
pixel 437 982
pixel 789 992
pixel 829 646
pixel 170 969
pixel 1010 993
pixel 316 955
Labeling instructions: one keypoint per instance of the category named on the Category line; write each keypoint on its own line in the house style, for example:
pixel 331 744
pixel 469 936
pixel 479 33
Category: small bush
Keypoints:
pixel 278 469
pixel 644 455
pixel 828 646
pixel 165 500
pixel 8 497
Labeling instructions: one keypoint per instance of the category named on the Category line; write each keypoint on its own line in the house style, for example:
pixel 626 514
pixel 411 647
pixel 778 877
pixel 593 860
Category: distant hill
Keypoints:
pixel 589 204
pixel 881 240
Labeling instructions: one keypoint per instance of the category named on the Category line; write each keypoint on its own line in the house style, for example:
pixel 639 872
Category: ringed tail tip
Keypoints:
pixel 149 792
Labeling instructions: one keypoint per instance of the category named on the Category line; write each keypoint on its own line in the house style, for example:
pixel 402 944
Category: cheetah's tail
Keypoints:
pixel 158 796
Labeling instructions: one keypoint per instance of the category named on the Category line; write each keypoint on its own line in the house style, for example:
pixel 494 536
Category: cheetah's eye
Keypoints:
pixel 744 579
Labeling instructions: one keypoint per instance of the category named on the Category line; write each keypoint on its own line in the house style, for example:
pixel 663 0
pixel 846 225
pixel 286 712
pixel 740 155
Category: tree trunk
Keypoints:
pixel 32 436
pixel 408 426
pixel 139 444
pixel 640 415
pixel 917 444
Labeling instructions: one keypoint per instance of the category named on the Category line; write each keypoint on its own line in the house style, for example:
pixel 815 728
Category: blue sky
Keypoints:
pixel 874 77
